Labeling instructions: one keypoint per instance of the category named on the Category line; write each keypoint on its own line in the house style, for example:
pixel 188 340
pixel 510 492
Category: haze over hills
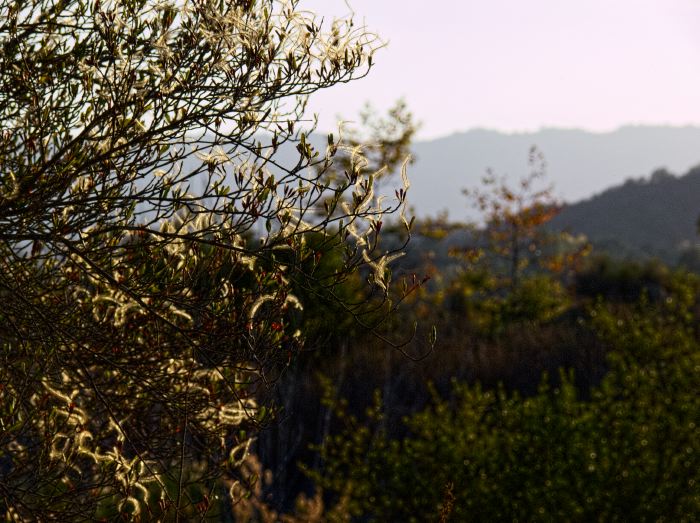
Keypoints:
pixel 579 163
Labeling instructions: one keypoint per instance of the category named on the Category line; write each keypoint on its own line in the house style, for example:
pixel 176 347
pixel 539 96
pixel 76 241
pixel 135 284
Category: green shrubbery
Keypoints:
pixel 630 452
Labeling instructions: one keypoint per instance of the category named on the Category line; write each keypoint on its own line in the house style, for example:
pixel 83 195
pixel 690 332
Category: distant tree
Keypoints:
pixel 513 260
pixel 384 140
pixel 152 238
pixel 512 231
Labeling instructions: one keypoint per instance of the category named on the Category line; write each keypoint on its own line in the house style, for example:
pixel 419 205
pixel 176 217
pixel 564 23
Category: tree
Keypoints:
pixel 514 217
pixel 513 261
pixel 151 235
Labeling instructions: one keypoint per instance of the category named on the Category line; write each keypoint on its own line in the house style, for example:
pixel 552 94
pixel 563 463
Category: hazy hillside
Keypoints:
pixel 580 163
pixel 654 216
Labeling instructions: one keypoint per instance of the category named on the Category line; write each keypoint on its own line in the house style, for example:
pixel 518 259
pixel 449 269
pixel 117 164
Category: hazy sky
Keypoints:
pixel 520 65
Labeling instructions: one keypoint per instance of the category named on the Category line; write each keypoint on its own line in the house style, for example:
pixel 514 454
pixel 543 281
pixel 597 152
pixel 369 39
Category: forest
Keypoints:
pixel 213 311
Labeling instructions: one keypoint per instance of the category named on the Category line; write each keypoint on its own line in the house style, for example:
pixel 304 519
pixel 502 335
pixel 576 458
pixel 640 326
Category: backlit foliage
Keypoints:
pixel 151 238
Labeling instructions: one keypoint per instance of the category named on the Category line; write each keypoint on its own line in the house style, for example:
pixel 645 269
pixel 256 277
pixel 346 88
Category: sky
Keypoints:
pixel 521 65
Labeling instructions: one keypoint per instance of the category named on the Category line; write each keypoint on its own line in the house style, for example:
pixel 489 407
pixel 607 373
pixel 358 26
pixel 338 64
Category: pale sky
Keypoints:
pixel 520 65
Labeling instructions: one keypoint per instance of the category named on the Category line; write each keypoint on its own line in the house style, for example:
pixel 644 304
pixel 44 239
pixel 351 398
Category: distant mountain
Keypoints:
pixel 656 216
pixel 580 163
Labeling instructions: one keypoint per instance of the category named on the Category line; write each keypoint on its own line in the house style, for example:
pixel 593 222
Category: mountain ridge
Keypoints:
pixel 580 163
pixel 654 216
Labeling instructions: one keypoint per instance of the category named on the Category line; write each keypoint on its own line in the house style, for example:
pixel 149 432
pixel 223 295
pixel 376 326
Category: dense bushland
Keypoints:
pixel 626 449
pixel 582 408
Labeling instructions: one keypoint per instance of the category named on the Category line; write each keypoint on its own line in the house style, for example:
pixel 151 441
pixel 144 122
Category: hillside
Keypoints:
pixel 656 216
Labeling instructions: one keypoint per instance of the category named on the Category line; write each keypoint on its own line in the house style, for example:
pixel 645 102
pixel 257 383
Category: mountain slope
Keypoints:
pixel 657 216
